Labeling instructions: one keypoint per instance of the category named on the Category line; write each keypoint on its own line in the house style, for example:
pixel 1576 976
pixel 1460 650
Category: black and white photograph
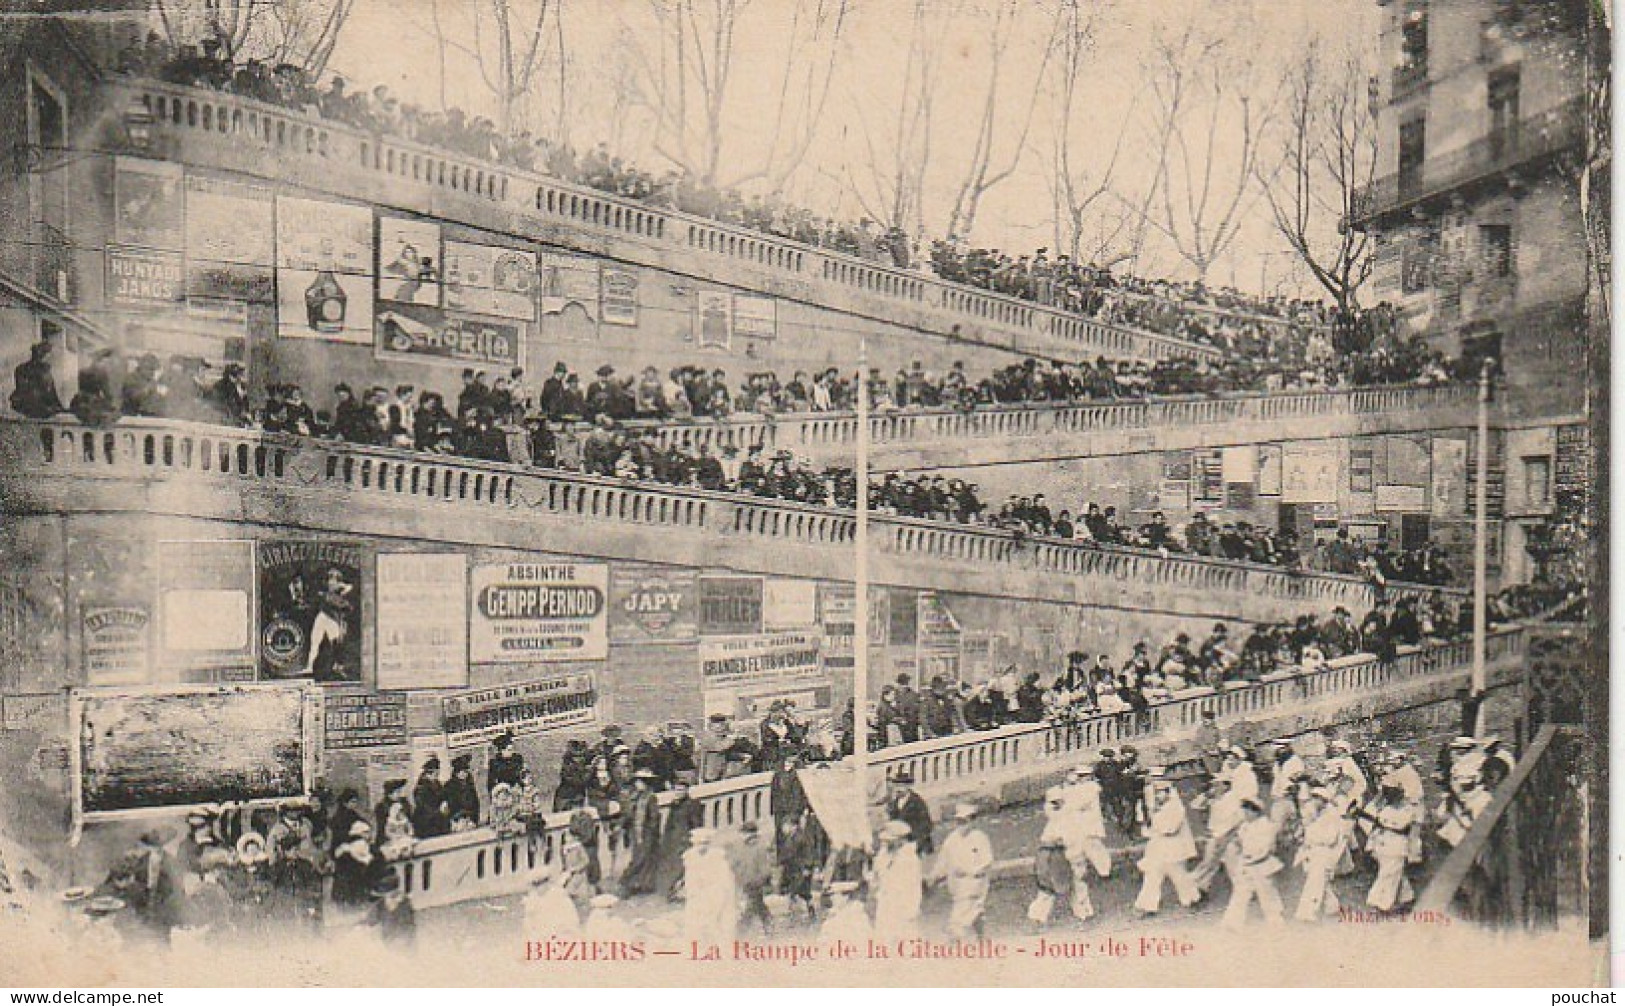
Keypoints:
pixel 805 493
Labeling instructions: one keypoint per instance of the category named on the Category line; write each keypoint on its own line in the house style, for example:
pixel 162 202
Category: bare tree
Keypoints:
pixel 1206 123
pixel 230 22
pixel 516 54
pixel 687 84
pixel 304 32
pixel 889 182
pixel 1326 156
pixel 1087 223
pixel 981 175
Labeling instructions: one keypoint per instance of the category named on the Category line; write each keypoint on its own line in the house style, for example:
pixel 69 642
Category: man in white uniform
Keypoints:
pixel 1255 867
pixel 1325 839
pixel 1169 846
pixel 898 883
pixel 963 865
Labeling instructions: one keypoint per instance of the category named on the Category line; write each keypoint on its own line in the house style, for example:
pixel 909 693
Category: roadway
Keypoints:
pixel 1014 833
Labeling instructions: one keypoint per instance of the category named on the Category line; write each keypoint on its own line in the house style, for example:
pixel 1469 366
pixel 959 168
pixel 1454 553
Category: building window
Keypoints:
pixel 1412 152
pixel 1416 263
pixel 1537 481
pixel 1503 108
pixel 1495 249
pixel 1413 45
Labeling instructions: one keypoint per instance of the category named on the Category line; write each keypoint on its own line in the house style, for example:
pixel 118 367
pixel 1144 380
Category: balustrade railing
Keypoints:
pixel 193 113
pixel 814 431
pixel 479 864
pixel 142 448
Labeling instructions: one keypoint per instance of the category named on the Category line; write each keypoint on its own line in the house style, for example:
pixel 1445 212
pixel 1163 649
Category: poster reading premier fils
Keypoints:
pixel 522 612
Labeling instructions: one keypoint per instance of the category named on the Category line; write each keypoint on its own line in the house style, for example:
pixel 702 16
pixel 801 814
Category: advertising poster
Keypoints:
pixel 939 639
pixel 1402 499
pixel 713 319
pixel 529 707
pixel 142 750
pixel 755 317
pixel 1207 478
pixel 741 668
pixel 422 614
pixel 310 610
pixel 730 605
pixel 409 261
pixel 1449 481
pixel 1269 469
pixel 619 297
pixel 1362 467
pixel 116 644
pixel 324 270
pixel 566 280
pixel 154 280
pixel 789 604
pixel 1309 473
pixel 149 204
pixel 524 612
pixel 319 235
pixel 483 279
pixel 430 335
pixel 653 604
pixel 352 720
pixel 1409 463
pixel 837 613
pixel 230 243
pixel 205 604
pixel 1240 464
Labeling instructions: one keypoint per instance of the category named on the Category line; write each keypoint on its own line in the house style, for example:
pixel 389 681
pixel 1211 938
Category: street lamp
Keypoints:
pixel 1480 681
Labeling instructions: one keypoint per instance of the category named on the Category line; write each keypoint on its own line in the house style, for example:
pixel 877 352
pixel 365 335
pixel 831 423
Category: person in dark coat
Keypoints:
pixel 462 799
pixel 429 817
pixel 35 392
pixel 356 866
pixel 641 814
pixel 575 772
pixel 347 814
pixel 506 764
pixel 392 795
pixel 909 807
pixel 97 402
pixel 683 815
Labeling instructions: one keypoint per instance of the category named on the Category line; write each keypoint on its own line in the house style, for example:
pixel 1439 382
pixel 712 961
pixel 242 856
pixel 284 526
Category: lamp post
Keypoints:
pixel 860 601
pixel 1480 680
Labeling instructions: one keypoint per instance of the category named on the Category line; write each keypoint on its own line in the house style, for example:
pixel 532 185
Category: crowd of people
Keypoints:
pixel 506 419
pixel 1251 813
pixel 1210 315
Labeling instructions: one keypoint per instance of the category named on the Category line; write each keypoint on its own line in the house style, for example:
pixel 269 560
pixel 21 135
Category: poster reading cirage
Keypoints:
pixel 524 612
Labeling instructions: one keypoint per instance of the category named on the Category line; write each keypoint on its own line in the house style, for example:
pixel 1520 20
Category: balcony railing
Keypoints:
pixel 479 864
pixel 327 155
pixel 1006 424
pixel 1078 573
pixel 1535 137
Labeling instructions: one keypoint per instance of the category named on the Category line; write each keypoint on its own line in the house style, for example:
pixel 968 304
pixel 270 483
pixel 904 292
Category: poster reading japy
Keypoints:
pixel 522 612
pixel 310 610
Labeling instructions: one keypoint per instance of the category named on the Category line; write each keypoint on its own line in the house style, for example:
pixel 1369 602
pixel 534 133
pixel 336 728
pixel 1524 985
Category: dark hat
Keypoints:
pixel 462 761
pixel 611 731
pixel 560 368
pixel 605 371
pixel 394 785
pixel 504 739
pixel 903 775
pixel 433 761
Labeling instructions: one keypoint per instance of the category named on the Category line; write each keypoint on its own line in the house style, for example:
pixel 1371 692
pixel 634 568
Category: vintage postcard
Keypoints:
pixel 804 492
